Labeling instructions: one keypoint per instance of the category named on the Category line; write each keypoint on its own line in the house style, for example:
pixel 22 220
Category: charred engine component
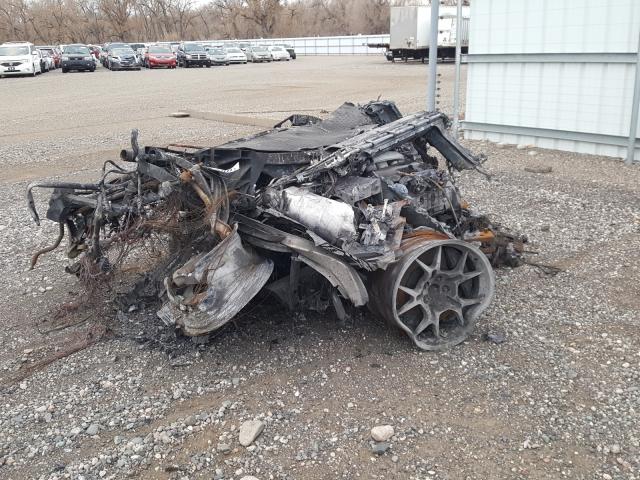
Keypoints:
pixel 361 207
pixel 329 219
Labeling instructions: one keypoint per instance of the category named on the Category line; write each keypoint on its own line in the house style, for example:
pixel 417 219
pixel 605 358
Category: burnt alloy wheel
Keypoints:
pixel 435 292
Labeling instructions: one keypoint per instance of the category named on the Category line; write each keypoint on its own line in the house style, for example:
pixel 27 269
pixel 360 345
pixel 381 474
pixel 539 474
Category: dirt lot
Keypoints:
pixel 560 398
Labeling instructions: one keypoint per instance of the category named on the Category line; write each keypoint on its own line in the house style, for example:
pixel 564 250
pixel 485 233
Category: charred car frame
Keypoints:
pixel 360 208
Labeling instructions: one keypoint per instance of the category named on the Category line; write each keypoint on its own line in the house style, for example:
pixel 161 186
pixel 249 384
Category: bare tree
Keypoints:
pixel 263 13
pixel 97 21
pixel 14 14
pixel 117 13
pixel 183 13
pixel 228 12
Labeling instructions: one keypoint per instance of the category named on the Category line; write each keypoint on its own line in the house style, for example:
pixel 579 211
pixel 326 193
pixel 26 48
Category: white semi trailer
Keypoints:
pixel 409 33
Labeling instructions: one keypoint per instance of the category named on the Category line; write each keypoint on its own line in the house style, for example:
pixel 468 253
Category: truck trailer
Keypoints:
pixel 410 31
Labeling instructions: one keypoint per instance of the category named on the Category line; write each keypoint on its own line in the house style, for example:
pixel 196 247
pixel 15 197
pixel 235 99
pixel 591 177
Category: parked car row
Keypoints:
pixel 120 56
pixel 243 52
pixel 24 58
pixel 190 54
pixel 244 46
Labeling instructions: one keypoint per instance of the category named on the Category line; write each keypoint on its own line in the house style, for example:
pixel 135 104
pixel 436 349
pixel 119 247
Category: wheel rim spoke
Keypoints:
pixel 408 306
pixel 469 275
pixel 437 259
pixel 458 303
pixel 427 319
pixel 462 261
pixel 455 302
pixel 424 266
pixel 460 316
pixel 436 325
pixel 471 301
pixel 408 291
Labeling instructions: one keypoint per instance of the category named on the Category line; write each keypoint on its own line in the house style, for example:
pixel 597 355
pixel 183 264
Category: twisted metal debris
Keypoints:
pixel 360 208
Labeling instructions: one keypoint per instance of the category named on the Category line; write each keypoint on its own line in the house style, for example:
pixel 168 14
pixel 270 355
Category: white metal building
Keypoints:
pixel 557 74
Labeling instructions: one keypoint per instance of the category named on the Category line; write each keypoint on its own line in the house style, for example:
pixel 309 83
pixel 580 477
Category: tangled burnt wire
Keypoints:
pixel 350 208
pixel 108 221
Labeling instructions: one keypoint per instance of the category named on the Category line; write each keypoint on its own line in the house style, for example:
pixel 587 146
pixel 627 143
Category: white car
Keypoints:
pixel 235 55
pixel 19 58
pixel 279 53
pixel 47 61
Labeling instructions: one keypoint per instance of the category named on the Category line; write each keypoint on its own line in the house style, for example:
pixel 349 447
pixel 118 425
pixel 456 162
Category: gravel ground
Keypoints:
pixel 559 398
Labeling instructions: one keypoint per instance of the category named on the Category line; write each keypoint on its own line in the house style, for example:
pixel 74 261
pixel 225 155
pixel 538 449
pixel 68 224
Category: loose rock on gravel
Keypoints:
pixel 249 431
pixel 382 433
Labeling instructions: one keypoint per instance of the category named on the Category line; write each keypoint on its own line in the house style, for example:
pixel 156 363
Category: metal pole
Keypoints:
pixel 633 128
pixel 433 56
pixel 456 84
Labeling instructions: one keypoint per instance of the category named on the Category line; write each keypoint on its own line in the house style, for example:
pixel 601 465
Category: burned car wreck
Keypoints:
pixel 357 209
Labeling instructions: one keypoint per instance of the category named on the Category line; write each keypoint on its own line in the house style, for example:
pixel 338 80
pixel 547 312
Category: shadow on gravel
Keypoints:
pixel 79 323
pixel 263 322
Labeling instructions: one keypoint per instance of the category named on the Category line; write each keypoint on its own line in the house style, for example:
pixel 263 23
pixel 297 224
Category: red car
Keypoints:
pixel 95 51
pixel 159 56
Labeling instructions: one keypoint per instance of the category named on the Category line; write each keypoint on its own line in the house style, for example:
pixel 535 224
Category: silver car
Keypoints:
pixel 258 54
pixel 122 59
pixel 217 56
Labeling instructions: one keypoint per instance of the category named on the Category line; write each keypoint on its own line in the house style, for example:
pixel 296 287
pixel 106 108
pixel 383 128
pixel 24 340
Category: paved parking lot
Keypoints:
pixel 56 114
pixel 558 399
